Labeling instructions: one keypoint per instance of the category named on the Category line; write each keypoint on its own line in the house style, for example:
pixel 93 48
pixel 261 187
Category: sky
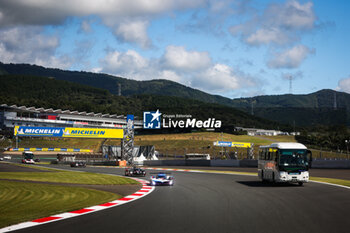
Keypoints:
pixel 233 48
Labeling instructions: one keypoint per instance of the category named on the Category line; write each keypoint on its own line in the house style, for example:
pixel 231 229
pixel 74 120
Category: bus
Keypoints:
pixel 284 162
pixel 28 157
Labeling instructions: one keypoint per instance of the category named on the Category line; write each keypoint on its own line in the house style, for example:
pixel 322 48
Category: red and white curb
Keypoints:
pixel 145 190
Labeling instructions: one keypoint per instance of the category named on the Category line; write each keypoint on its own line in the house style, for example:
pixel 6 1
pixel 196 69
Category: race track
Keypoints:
pixel 201 202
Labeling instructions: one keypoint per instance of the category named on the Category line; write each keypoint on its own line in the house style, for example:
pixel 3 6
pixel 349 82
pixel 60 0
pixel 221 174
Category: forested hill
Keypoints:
pixel 324 107
pixel 57 94
pixel 301 110
pixel 108 82
pixel 321 99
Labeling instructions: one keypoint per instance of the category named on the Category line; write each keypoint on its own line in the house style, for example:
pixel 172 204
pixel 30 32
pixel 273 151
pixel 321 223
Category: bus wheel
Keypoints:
pixel 301 183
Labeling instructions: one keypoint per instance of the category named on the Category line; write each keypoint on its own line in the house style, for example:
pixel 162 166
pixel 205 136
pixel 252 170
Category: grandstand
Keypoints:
pixel 11 116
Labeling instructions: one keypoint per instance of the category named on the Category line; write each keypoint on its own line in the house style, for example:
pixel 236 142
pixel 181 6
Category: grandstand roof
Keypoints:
pixel 50 110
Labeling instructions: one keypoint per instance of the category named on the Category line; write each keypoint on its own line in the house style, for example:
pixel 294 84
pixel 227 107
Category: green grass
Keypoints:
pixel 68 177
pixel 332 181
pixel 92 144
pixel 22 201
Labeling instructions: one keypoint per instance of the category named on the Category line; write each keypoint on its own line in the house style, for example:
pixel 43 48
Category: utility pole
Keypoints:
pixel 119 89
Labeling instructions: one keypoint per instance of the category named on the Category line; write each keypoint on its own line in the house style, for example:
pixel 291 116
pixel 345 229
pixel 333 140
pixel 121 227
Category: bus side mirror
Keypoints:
pixel 309 156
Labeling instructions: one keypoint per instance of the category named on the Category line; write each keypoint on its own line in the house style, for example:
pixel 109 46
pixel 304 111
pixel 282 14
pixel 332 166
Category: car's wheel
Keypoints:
pixel 301 183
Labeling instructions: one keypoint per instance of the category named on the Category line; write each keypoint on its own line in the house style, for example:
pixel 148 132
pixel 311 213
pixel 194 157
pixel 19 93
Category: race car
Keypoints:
pixel 134 171
pixel 162 178
pixel 77 164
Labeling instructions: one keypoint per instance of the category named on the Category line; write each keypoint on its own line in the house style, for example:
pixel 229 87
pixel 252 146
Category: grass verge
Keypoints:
pixel 58 176
pixel 22 201
pixel 332 181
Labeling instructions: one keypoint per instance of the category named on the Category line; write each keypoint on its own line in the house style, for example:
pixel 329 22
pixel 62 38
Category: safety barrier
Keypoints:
pixel 51 149
pixel 317 163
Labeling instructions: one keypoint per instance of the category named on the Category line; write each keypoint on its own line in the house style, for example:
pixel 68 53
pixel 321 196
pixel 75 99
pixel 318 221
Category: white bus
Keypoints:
pixel 284 162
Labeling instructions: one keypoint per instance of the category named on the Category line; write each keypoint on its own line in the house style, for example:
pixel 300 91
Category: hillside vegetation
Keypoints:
pixel 313 109
pixel 57 94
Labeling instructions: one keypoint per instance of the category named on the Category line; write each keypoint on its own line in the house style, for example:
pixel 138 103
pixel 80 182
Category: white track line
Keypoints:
pixel 235 174
pixel 144 191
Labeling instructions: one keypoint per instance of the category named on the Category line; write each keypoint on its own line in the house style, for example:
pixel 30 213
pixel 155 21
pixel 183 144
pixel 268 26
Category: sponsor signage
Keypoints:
pixel 130 121
pixel 152 120
pixel 67 132
pixel 233 144
pixel 52 149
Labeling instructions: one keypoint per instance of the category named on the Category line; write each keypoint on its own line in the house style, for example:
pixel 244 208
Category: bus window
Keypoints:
pixel 293 157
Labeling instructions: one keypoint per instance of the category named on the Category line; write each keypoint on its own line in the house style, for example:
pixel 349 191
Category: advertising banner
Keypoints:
pixel 67 132
pixel 233 144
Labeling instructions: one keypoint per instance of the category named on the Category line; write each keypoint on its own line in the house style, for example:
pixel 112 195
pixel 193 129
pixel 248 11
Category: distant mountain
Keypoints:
pixel 58 94
pixel 301 110
pixel 324 107
pixel 108 82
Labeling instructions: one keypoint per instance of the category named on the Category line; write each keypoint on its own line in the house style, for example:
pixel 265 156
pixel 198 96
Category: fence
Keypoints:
pixel 216 153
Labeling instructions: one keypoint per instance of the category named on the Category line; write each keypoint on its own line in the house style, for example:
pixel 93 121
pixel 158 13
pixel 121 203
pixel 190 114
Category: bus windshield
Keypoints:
pixel 28 155
pixel 293 158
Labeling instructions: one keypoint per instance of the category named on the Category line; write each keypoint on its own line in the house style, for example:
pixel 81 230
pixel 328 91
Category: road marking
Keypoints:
pixel 142 192
pixel 234 173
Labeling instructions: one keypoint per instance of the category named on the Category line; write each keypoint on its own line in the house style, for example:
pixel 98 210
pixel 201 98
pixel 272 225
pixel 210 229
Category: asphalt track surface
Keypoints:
pixel 218 203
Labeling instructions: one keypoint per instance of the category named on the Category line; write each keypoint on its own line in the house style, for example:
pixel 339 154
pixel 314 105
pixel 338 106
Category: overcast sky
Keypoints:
pixel 232 48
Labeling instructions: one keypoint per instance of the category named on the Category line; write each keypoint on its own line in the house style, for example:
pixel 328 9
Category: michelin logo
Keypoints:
pixel 151 120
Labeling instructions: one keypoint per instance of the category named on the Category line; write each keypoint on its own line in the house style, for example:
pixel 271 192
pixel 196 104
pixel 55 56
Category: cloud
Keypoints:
pixel 279 24
pixel 122 16
pixel 43 12
pixel 217 78
pixel 190 68
pixel 177 58
pixel 29 45
pixel 134 32
pixel 267 36
pixel 291 58
pixel 128 64
pixel 344 85
pixel 85 26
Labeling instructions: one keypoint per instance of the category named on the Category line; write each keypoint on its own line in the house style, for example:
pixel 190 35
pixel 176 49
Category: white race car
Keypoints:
pixel 161 178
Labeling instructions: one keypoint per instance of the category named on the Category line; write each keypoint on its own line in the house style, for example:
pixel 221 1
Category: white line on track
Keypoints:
pixel 142 192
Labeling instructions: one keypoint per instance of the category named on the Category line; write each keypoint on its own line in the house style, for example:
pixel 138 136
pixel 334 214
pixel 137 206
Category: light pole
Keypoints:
pixel 347 148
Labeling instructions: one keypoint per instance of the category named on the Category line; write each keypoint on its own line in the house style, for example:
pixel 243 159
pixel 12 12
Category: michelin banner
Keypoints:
pixel 52 149
pixel 233 144
pixel 66 132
